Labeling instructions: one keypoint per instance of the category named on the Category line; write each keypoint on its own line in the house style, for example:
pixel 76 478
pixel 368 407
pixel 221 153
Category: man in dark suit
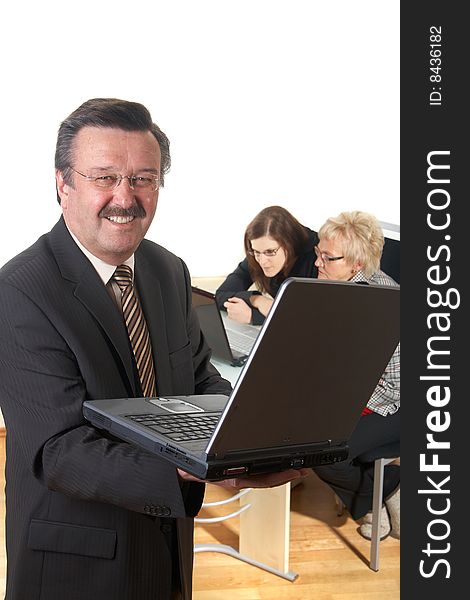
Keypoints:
pixel 90 517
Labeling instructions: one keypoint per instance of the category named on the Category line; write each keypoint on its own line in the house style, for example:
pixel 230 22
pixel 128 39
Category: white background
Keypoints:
pixel 264 101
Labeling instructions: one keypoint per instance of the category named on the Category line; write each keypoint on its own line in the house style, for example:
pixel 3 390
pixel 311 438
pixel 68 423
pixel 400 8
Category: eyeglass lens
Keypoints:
pixel 268 253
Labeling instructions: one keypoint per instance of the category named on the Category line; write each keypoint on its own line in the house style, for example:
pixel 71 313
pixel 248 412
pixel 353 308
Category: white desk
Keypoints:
pixel 264 524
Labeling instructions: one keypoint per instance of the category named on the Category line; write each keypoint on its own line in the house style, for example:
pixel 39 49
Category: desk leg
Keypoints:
pixel 264 528
pixel 264 531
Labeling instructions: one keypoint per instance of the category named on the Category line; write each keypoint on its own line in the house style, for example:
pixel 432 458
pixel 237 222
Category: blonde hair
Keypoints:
pixel 361 237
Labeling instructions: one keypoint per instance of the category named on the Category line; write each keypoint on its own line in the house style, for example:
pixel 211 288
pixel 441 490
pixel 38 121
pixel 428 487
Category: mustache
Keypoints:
pixel 117 211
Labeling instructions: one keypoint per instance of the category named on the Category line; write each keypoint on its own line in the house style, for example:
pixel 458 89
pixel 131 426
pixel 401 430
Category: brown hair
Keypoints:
pixel 277 223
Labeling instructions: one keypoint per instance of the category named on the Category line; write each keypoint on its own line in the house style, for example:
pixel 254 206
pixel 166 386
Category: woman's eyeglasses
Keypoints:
pixel 268 253
pixel 324 257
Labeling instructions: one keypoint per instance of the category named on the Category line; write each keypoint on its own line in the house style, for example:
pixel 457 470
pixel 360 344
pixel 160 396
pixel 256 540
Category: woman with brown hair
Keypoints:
pixel 277 246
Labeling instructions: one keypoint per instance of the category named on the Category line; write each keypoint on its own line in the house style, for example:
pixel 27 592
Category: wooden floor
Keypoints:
pixel 326 551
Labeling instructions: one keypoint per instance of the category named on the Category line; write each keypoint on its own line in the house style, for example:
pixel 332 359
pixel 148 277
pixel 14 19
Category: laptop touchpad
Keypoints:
pixel 175 405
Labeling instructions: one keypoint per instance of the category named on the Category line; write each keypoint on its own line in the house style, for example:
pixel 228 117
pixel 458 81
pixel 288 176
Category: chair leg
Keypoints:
pixel 339 506
pixel 376 512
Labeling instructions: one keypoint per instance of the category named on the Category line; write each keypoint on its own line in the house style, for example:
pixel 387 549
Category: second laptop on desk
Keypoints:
pixel 230 341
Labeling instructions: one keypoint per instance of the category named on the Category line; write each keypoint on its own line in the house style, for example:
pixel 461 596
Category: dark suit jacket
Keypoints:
pixel 90 517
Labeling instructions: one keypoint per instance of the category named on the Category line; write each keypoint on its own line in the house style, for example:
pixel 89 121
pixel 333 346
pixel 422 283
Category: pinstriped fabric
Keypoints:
pixel 137 329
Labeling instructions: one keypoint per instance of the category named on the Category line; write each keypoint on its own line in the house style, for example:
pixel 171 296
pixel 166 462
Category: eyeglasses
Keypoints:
pixel 110 181
pixel 268 253
pixel 324 257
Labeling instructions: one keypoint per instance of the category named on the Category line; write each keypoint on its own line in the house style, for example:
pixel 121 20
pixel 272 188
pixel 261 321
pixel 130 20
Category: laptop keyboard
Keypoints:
pixel 180 428
pixel 240 342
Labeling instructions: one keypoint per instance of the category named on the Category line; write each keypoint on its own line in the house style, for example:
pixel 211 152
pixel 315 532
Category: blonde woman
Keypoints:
pixel 349 249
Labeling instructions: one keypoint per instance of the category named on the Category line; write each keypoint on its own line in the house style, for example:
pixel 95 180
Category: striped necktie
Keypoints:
pixel 137 329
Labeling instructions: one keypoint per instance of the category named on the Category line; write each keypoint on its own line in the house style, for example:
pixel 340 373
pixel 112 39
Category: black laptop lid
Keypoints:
pixel 334 339
pixel 211 324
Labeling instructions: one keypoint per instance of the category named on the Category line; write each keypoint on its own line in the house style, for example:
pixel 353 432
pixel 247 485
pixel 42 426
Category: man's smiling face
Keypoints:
pixel 110 223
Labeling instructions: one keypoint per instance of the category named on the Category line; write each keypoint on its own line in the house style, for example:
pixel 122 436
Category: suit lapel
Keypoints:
pixel 91 292
pixel 105 312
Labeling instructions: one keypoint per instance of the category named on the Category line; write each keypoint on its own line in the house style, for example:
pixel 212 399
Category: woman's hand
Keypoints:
pixel 238 310
pixel 262 303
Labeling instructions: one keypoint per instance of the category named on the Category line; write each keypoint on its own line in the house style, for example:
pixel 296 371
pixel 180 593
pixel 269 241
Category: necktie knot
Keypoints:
pixel 123 277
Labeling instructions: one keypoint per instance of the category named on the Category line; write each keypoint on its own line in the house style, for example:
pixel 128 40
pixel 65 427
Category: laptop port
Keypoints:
pixel 236 471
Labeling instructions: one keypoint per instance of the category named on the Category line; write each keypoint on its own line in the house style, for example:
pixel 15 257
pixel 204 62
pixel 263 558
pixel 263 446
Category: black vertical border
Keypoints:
pixel 429 128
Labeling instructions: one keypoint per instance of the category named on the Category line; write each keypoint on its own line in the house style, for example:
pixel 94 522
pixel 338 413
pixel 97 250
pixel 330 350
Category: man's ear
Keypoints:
pixel 62 188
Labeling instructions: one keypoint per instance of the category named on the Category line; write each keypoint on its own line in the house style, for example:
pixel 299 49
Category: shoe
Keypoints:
pixel 393 507
pixel 365 529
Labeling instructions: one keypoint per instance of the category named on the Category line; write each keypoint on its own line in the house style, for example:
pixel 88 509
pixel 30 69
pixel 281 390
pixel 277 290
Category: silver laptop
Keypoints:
pixel 230 341
pixel 314 365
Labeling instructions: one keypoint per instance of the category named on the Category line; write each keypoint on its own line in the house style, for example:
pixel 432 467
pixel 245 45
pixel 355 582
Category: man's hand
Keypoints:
pixel 263 481
pixel 253 481
pixel 238 310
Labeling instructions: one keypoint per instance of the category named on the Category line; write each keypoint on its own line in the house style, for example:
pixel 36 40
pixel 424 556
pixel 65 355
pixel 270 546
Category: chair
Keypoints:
pixel 380 457
pixel 390 261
